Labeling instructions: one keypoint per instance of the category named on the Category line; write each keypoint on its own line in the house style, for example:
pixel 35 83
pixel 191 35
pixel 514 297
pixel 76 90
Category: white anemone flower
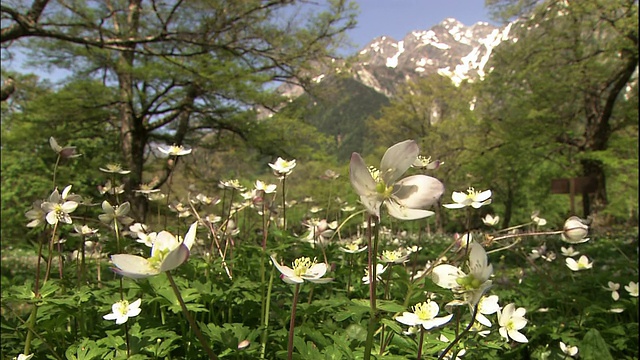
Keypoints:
pixel 147 239
pixel 115 169
pixel 405 199
pixel 167 253
pixel 511 321
pixel 283 167
pixel 425 163
pixel 569 252
pixel 488 305
pixel 632 288
pixel 320 231
pixel 380 269
pixel 303 269
pixel 398 256
pixel 472 198
pixel 59 206
pixel 122 310
pixel 583 263
pixel 575 231
pixel 490 220
pixel 425 315
pixel 174 150
pixel 613 287
pixel 568 350
pixel 267 188
pixel 537 219
pixel 353 248
pixel 23 356
pixel 472 285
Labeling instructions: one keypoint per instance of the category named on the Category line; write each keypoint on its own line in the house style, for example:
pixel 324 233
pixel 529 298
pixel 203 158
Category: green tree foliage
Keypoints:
pixel 438 115
pixel 558 85
pixel 36 112
pixel 180 70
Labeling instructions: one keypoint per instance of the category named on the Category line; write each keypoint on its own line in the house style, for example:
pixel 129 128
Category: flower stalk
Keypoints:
pixel 187 315
pixel 371 263
pixel 292 322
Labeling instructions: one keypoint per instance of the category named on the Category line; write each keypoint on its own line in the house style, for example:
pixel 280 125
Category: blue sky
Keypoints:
pixel 394 18
pixel 397 18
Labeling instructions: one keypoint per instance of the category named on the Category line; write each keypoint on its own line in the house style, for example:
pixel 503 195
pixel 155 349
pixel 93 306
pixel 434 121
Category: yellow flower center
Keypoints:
pixel 382 189
pixel 121 308
pixel 173 149
pixel 352 247
pixel 114 167
pixel 423 311
pixel 391 255
pixel 472 193
pixel 302 265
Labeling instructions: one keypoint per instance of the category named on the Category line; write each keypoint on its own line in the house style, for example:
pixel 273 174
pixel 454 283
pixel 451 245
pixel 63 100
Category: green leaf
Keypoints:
pixel 390 306
pixel 594 347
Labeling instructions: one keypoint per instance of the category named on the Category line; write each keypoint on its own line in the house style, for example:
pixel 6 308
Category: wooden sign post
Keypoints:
pixel 572 186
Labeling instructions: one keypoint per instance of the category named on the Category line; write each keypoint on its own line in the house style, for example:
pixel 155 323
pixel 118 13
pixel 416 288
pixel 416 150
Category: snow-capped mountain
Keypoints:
pixel 449 48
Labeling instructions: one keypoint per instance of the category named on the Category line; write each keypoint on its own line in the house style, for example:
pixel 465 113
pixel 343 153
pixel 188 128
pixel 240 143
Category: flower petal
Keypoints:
pixel 459 197
pixel 360 177
pixel 190 237
pixel 175 258
pixel 517 336
pixel 372 204
pixel 284 270
pixel 132 266
pixel 454 206
pixel 405 213
pixel 408 318
pixel 435 322
pixel 445 276
pixel 316 271
pixel 69 206
pixel 418 191
pixel 483 320
pixel 482 196
pixel 397 160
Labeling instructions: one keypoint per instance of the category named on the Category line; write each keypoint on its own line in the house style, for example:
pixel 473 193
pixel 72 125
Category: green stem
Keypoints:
pixel 265 324
pixel 372 251
pixel 55 171
pixel 459 336
pixel 116 229
pixel 192 323
pixel 175 163
pixel 50 258
pixel 420 342
pixel 385 296
pixel 349 277
pixel 284 204
pixel 31 324
pixel 292 322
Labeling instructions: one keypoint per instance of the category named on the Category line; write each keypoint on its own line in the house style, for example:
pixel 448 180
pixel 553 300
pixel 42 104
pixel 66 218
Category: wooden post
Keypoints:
pixel 583 185
pixel 572 195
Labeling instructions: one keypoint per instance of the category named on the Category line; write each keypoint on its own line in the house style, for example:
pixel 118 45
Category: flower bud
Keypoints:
pixel 575 231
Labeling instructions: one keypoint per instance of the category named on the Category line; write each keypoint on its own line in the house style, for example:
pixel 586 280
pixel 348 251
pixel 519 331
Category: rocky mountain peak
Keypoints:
pixel 449 48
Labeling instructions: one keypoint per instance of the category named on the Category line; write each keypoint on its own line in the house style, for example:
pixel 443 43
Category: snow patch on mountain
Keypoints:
pixel 392 62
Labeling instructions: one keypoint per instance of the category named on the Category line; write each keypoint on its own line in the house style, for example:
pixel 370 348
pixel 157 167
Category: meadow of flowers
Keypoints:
pixel 230 275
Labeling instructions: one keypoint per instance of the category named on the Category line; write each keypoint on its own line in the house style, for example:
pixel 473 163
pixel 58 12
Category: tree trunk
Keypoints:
pixel 133 136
